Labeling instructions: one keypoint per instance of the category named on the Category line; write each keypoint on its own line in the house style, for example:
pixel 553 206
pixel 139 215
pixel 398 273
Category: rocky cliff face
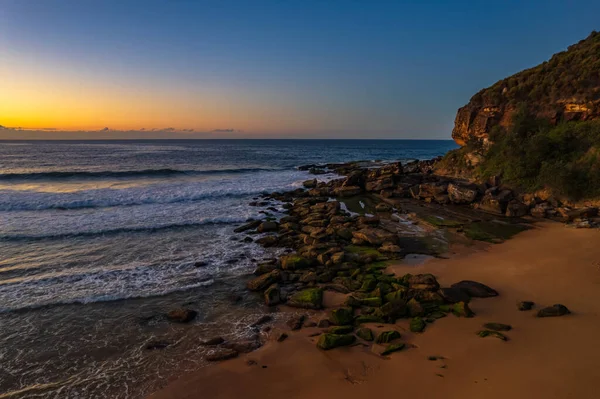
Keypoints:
pixel 565 88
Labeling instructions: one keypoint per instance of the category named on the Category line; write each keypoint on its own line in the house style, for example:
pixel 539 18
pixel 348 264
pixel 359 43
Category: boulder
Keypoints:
pixel 453 295
pixel 342 316
pixel 221 354
pixel 462 309
pixel 387 336
pixel 311 298
pixel 295 322
pixel 182 315
pixel 267 241
pixel 365 333
pixel 263 281
pixel 475 289
pixel 462 194
pixel 294 262
pixel 414 308
pixel 265 227
pixel 423 282
pixel 516 208
pixel 417 324
pixel 431 190
pixel 553 311
pixel 383 207
pixel 374 236
pixel 310 183
pixel 390 248
pixel 341 330
pixel 248 226
pixel 330 341
pixel 347 191
pixel 272 295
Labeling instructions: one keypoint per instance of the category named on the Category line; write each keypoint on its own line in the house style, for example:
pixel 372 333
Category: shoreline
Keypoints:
pixel 545 357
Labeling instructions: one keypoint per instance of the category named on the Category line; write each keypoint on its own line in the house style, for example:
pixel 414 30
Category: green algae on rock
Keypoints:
pixel 341 330
pixel 294 262
pixel 342 316
pixel 387 336
pixel 462 309
pixel 330 341
pixel 392 348
pixel 311 298
pixel 417 324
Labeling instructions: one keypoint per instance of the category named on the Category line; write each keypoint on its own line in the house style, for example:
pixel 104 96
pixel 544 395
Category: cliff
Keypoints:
pixel 565 88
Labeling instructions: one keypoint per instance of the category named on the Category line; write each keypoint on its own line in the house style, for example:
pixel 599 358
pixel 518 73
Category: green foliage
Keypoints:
pixel 568 74
pixel 533 155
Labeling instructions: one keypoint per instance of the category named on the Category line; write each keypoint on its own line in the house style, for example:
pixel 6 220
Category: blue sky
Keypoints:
pixel 340 69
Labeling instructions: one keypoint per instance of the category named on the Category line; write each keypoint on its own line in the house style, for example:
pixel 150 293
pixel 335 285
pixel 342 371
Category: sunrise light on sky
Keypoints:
pixel 265 68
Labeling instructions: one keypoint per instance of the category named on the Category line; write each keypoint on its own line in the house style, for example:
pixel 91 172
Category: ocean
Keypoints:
pixel 97 239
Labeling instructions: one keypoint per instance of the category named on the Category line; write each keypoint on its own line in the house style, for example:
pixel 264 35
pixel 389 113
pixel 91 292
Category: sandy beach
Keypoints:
pixel 545 357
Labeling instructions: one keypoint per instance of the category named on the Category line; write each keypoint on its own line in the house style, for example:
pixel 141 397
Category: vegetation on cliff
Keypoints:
pixel 573 74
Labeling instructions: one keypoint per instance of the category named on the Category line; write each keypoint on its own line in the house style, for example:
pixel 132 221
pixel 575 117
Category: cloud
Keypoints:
pixel 169 129
pixel 223 131
pixel 187 130
pixel 105 129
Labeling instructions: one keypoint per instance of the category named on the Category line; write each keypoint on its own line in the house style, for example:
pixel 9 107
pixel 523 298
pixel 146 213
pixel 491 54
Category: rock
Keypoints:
pixel 341 330
pixel 431 190
pixel 330 341
pixel 243 346
pixel 373 236
pixel 525 305
pixel 272 295
pixel 267 241
pixel 367 318
pixel 262 282
pixel 423 282
pixel 221 354
pixel 295 322
pixel 497 326
pixel 263 268
pixel 294 262
pixel 262 320
pixel 462 309
pixel 342 316
pixel 201 264
pixel 475 289
pixel 414 308
pixel 516 208
pixel 348 191
pixel 462 194
pixel 248 226
pixel 554 311
pixel 310 183
pixel 182 315
pixel 265 227
pixel 311 298
pixel 281 336
pixel 417 324
pixel 496 334
pixel 323 323
pixel 383 207
pixel 453 295
pixel 365 333
pixel 387 336
pixel 213 341
pixel 390 248
pixel 152 345
pixel 392 348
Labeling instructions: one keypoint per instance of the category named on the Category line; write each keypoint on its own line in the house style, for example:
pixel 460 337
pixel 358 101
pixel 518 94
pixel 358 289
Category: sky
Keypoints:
pixel 265 69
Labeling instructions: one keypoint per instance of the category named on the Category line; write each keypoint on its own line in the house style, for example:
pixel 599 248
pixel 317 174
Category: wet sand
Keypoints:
pixel 545 357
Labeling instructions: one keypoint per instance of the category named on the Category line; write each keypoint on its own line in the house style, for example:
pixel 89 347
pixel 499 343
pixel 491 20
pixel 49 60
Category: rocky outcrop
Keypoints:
pixel 565 88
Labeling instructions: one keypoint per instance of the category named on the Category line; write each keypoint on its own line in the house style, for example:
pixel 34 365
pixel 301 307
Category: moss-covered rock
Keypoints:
pixel 341 330
pixel 397 295
pixel 342 316
pixel 392 311
pixel 367 319
pixel 392 348
pixel 462 309
pixel 294 262
pixel 374 301
pixel 365 333
pixel 311 298
pixel 330 341
pixel 369 284
pixel 353 302
pixel 387 336
pixel 490 333
pixel 417 324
